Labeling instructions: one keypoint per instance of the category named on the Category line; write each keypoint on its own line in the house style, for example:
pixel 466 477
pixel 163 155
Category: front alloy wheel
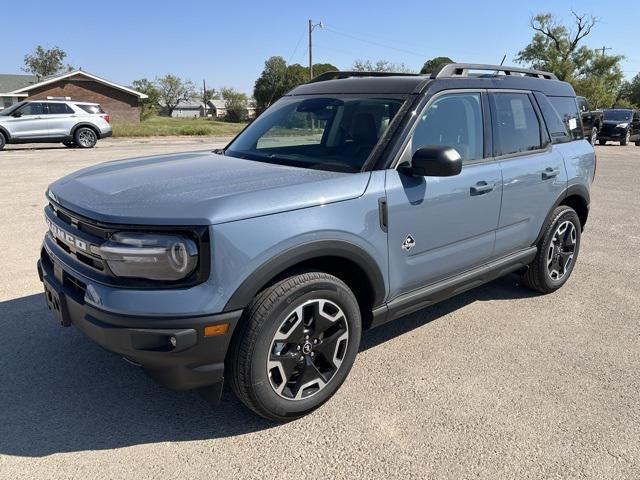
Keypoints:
pixel 294 345
pixel 308 349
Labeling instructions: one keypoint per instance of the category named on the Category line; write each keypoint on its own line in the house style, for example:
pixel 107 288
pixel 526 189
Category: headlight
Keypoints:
pixel 622 125
pixel 151 256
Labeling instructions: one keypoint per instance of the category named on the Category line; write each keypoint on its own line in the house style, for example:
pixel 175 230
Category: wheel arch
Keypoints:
pixel 575 196
pixel 85 124
pixel 347 261
pixel 6 134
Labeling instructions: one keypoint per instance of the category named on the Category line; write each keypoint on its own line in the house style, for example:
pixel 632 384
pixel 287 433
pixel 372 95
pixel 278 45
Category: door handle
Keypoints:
pixel 481 188
pixel 549 172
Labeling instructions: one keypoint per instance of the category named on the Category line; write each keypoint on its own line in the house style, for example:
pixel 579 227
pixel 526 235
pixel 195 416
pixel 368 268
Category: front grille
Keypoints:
pixel 90 236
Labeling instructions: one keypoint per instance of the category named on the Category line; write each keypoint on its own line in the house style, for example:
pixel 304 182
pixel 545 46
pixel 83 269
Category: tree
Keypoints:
pixel 558 48
pixel 630 91
pixel 236 103
pixel 277 78
pixel 380 66
pixel 43 63
pixel 147 105
pixel 172 89
pixel 431 66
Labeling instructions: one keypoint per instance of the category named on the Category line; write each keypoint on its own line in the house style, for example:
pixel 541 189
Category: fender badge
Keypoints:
pixel 408 243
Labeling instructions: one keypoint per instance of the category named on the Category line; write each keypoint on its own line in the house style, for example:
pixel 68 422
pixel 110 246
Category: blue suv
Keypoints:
pixel 353 200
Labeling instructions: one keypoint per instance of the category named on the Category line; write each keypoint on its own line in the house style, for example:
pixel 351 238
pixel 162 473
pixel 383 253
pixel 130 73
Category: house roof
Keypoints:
pixel 74 73
pixel 218 104
pixel 9 83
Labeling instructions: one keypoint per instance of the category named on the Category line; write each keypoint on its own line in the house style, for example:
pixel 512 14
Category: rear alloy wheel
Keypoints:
pixel 626 139
pixel 295 345
pixel 85 137
pixel 557 252
pixel 594 136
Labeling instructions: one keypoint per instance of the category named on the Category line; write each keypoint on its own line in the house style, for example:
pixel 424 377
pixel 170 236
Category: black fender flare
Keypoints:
pixel 85 124
pixel 308 251
pixel 578 190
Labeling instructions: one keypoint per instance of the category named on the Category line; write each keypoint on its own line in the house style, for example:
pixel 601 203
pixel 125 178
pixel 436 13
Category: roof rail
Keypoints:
pixel 347 74
pixel 462 70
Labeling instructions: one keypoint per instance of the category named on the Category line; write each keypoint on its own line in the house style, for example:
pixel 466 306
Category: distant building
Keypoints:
pixel 185 109
pixel 120 102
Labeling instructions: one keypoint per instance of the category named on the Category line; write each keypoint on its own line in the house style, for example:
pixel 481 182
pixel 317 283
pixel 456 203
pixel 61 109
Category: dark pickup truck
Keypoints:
pixel 592 120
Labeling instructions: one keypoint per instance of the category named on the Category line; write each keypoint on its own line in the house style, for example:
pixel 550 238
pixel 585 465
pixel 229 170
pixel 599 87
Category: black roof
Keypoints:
pixel 451 76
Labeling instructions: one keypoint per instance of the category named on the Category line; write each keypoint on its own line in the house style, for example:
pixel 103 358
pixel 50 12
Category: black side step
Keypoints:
pixel 423 297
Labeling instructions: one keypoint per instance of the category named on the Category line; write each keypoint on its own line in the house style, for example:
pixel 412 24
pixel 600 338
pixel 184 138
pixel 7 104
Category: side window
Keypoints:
pixel 583 105
pixel 555 125
pixel 32 109
pixel 568 111
pixel 515 124
pixel 59 108
pixel 454 120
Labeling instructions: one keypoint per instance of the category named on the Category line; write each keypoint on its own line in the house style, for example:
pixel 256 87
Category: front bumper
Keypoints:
pixel 195 361
pixel 612 135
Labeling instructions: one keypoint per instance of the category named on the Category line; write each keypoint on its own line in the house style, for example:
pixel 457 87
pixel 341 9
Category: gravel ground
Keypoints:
pixel 496 383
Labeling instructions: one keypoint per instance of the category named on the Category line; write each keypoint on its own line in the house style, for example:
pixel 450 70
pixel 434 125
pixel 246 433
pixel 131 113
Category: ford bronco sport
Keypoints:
pixel 353 200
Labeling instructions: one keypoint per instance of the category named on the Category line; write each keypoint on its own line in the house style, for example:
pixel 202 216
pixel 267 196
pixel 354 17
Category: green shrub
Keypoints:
pixel 195 130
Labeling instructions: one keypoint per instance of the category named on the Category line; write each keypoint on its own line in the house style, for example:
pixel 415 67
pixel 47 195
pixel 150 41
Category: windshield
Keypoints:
pixel 618 115
pixel 11 109
pixel 327 133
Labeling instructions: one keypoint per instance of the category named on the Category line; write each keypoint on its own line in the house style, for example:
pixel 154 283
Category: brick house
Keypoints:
pixel 120 102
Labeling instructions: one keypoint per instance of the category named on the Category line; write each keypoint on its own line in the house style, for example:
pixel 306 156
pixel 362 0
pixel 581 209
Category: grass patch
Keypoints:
pixel 166 126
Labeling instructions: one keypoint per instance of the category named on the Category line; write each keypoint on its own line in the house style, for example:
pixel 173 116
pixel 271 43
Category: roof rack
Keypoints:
pixel 348 74
pixel 462 70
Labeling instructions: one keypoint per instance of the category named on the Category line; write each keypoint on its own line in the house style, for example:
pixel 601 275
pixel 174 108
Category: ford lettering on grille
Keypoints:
pixel 66 237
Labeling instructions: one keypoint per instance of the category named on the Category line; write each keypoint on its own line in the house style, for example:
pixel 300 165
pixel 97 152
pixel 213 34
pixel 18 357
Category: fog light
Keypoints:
pixel 173 341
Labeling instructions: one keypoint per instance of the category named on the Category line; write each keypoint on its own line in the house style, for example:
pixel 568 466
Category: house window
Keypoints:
pixel 8 102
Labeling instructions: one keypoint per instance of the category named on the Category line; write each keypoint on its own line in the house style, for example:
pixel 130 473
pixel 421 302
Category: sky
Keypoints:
pixel 226 43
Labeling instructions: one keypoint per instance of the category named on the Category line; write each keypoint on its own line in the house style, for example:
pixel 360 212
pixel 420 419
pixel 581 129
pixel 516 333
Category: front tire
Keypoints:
pixel 3 141
pixel 637 143
pixel 626 139
pixel 295 346
pixel 602 142
pixel 69 144
pixel 557 252
pixel 85 137
pixel 594 136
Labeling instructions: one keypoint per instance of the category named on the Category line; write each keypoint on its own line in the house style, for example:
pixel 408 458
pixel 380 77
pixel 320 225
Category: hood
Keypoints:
pixel 198 188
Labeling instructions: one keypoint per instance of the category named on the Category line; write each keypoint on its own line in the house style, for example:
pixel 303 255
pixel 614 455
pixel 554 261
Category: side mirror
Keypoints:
pixel 435 161
pixel 16 114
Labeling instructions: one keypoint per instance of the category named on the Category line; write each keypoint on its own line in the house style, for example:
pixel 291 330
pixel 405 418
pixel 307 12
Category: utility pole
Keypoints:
pixel 605 48
pixel 311 27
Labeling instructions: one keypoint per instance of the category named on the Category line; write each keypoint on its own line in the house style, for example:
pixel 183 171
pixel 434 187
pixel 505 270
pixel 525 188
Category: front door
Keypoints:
pixel 31 122
pixel 440 226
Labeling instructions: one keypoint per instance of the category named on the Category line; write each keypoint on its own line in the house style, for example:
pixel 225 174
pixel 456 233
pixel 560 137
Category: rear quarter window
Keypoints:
pixel 555 125
pixel 91 108
pixel 567 108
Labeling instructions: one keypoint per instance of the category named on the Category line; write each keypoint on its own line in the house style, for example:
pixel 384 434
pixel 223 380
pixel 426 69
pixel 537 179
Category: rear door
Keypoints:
pixel 61 118
pixel 32 122
pixel 635 127
pixel 533 170
pixel 440 226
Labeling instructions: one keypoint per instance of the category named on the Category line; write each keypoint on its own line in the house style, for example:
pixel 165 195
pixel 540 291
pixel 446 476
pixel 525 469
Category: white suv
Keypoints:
pixel 75 124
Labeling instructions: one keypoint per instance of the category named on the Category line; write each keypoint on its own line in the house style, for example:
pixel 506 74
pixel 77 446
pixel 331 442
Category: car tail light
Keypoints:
pixel 107 118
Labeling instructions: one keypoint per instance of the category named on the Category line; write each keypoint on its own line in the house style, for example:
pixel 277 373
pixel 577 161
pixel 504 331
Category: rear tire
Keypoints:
pixel 557 252
pixel 85 137
pixel 295 345
pixel 3 141
pixel 69 144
